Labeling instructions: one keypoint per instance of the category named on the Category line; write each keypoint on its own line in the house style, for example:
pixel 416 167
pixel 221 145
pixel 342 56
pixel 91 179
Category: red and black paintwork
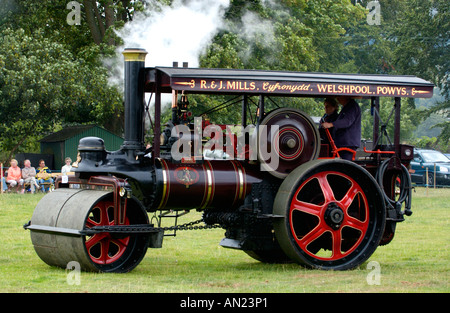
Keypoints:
pixel 209 184
pixel 309 203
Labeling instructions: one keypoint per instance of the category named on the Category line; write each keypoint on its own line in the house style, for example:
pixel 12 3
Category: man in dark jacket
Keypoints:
pixel 347 126
pixel 331 114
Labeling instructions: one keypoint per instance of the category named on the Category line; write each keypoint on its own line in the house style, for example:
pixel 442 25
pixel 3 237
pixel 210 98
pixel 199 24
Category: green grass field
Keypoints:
pixel 417 260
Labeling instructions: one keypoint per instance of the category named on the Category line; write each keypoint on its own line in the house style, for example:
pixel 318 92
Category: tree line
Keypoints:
pixel 52 72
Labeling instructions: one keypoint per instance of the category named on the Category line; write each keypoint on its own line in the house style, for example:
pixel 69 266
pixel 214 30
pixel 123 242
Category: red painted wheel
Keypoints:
pixel 103 248
pixel 339 224
pixel 77 209
pixel 115 252
pixel 334 215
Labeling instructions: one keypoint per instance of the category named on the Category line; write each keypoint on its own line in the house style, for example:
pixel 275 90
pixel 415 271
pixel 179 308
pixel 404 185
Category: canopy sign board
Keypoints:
pixel 228 81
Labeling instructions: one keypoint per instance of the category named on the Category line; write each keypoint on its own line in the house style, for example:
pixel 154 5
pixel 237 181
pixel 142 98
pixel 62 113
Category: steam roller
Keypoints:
pixel 296 201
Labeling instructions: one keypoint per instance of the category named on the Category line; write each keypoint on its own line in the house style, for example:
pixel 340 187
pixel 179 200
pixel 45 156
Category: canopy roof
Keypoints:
pixel 282 83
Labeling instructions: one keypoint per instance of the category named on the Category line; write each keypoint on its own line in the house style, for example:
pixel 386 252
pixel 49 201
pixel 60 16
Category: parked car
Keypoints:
pixel 436 162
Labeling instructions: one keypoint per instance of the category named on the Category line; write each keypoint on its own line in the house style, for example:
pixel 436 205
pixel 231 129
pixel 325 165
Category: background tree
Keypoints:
pixel 103 17
pixel 422 37
pixel 52 74
pixel 42 87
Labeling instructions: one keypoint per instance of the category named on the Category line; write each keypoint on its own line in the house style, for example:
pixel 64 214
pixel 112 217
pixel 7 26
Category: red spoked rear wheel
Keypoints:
pixel 334 215
pixel 337 221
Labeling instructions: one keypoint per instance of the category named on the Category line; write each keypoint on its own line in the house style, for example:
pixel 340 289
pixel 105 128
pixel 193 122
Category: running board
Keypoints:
pixel 156 234
pixel 54 230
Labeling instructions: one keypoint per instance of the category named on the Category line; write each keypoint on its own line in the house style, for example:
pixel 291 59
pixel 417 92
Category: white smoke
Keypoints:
pixel 255 30
pixel 182 31
pixel 179 32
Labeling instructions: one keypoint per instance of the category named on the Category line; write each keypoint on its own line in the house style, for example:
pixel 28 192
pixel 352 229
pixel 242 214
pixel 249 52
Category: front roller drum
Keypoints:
pixel 333 215
pixel 76 209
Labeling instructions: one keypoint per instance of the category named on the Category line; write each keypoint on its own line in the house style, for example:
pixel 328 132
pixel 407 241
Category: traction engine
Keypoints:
pixel 286 198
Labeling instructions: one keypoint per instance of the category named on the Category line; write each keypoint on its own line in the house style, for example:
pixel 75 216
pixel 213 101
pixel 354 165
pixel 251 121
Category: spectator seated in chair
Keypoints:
pixel 29 176
pixel 14 178
pixel 43 176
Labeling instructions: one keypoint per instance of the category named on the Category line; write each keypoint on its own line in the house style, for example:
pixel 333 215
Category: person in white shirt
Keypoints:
pixel 66 168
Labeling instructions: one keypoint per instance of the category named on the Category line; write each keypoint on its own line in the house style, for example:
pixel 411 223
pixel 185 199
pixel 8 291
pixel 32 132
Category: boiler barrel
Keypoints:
pixel 210 184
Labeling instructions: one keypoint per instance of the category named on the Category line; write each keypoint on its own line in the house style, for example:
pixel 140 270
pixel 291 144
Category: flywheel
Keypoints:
pixel 295 140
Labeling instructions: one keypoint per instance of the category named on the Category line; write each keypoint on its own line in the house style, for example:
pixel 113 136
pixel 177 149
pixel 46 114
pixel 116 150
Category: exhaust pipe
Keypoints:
pixel 134 99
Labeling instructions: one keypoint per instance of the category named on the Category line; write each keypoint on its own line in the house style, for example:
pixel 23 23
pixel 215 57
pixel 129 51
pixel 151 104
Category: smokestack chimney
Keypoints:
pixel 134 98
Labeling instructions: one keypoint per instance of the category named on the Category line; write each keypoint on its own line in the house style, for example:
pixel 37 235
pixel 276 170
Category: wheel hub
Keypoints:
pixel 291 142
pixel 334 216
